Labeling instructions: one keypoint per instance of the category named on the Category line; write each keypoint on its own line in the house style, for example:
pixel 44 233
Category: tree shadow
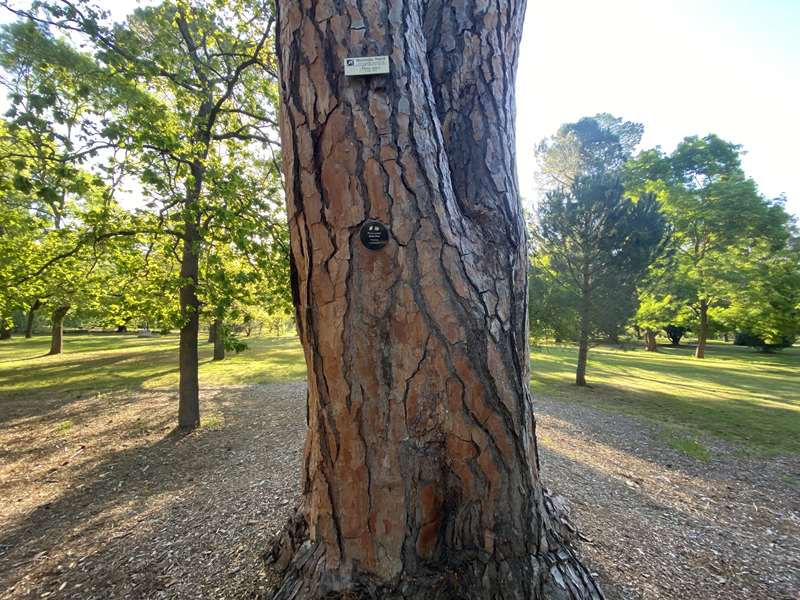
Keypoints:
pixel 109 509
pixel 642 540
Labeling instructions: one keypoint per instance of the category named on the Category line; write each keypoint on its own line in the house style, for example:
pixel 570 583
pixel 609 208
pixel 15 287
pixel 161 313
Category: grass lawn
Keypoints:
pixel 99 363
pixel 735 393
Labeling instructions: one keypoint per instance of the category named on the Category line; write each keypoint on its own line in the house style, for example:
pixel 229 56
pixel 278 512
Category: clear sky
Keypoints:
pixel 680 67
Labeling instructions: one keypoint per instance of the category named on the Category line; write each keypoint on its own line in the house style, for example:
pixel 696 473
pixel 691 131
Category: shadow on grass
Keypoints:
pixel 736 402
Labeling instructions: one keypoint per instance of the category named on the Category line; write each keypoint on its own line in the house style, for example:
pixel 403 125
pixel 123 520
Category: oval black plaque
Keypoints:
pixel 374 234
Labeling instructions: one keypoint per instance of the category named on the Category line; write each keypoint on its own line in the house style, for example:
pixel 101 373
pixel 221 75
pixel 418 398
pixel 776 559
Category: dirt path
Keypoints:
pixel 99 500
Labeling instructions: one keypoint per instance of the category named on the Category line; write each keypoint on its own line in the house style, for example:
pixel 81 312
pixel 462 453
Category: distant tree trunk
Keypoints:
pixel 583 329
pixel 421 477
pixel 5 334
pixel 57 330
pixel 122 328
pixel 219 340
pixel 31 318
pixel 650 340
pixel 212 335
pixel 702 334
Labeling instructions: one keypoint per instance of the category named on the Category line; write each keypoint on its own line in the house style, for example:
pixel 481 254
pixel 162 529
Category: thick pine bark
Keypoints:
pixel 219 340
pixel 57 330
pixel 650 340
pixel 30 319
pixel 702 334
pixel 421 477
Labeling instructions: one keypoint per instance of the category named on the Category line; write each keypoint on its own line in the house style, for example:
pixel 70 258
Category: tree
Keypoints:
pixel 600 244
pixel 590 146
pixel 764 308
pixel 421 478
pixel 193 84
pixel 714 211
pixel 48 140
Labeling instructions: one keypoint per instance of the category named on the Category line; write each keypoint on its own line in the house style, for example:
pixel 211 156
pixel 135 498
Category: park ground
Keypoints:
pixel 682 476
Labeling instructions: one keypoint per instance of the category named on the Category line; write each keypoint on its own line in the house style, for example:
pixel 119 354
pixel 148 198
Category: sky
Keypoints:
pixel 680 67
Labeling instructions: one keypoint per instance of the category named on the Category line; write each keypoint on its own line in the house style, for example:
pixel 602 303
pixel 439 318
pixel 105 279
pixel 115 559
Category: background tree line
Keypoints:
pixel 139 173
pixel 652 243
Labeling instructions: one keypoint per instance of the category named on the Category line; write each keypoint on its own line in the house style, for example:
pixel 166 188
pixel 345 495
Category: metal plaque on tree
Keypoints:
pixel 374 234
pixel 366 65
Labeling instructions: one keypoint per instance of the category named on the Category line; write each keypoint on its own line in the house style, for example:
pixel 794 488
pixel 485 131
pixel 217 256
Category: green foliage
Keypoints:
pixel 179 102
pixel 727 252
pixel 596 245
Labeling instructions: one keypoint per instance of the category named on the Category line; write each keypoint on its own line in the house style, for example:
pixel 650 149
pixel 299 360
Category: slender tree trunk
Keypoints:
pixel 57 330
pixel 122 328
pixel 650 340
pixel 219 340
pixel 421 477
pixel 5 334
pixel 212 335
pixel 31 318
pixel 189 386
pixel 583 329
pixel 702 335
pixel 583 358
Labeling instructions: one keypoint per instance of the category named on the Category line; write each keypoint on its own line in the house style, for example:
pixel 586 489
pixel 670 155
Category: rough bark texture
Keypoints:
pixel 189 385
pixel 31 318
pixel 57 330
pixel 421 475
pixel 650 340
pixel 702 334
pixel 219 340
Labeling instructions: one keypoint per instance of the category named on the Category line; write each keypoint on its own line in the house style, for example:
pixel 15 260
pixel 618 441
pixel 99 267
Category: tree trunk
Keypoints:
pixel 583 358
pixel 5 334
pixel 189 386
pixel 702 335
pixel 57 330
pixel 219 340
pixel 421 477
pixel 212 335
pixel 122 329
pixel 650 340
pixel 583 329
pixel 31 318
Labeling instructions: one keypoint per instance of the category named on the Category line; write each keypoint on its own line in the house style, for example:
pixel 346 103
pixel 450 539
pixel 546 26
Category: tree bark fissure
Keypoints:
pixel 421 476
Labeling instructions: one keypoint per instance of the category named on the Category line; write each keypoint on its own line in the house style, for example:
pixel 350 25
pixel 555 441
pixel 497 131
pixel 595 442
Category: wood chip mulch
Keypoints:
pixel 99 499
